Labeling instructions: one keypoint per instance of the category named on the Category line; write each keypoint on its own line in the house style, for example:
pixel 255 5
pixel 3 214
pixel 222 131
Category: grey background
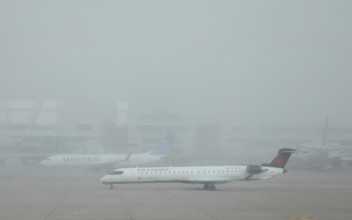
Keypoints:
pixel 247 62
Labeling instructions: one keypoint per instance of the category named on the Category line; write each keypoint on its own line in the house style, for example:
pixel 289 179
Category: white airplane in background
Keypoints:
pixel 110 161
pixel 206 175
pixel 321 155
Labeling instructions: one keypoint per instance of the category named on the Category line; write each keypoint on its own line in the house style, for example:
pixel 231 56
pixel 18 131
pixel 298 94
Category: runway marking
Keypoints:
pixel 191 205
pixel 197 208
pixel 90 209
pixel 132 215
pixel 57 204
pixel 125 205
pixel 299 217
pixel 168 196
pixel 87 209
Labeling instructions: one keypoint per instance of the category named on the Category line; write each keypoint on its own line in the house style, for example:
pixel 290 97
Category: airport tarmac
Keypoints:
pixel 37 193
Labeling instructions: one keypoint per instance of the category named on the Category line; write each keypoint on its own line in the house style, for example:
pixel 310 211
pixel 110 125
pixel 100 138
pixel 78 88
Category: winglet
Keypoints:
pixel 127 159
pixel 325 134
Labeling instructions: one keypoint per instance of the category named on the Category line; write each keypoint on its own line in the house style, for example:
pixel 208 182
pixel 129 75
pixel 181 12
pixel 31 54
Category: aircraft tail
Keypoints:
pixel 165 146
pixel 281 158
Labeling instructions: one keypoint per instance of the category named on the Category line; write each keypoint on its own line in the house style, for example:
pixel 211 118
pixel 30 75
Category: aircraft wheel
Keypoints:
pixel 212 187
pixel 111 186
pixel 206 187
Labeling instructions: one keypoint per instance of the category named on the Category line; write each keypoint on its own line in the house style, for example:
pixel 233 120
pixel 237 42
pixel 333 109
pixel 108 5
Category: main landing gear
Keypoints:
pixel 209 187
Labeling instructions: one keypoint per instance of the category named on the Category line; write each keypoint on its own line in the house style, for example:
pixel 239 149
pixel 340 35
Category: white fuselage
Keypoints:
pixel 201 174
pixel 86 160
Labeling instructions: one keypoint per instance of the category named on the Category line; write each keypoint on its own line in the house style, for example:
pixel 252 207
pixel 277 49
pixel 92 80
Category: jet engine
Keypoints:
pixel 254 169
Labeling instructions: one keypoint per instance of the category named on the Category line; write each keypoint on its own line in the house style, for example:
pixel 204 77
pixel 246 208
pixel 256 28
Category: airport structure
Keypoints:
pixel 45 127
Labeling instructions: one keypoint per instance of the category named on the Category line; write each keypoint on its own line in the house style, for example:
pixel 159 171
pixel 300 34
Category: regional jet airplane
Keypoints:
pixel 110 161
pixel 206 175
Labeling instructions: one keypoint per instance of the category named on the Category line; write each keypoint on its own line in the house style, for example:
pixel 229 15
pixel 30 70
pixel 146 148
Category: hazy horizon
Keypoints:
pixel 246 62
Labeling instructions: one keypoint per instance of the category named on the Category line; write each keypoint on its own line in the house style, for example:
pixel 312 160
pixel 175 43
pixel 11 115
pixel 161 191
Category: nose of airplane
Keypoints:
pixel 104 179
pixel 43 163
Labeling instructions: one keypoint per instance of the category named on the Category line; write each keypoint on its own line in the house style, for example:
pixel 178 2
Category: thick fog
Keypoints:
pixel 247 62
pixel 203 92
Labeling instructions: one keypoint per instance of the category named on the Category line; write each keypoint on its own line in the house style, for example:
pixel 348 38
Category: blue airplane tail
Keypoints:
pixel 165 146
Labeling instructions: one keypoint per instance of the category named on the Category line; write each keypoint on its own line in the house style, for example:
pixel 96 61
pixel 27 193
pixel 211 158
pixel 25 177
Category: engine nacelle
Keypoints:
pixel 254 169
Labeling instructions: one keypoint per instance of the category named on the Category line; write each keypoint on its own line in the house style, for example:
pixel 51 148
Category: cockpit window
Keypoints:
pixel 119 172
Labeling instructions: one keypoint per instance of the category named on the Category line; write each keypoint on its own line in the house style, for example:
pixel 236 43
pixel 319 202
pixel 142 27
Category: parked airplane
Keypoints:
pixel 110 161
pixel 321 155
pixel 206 175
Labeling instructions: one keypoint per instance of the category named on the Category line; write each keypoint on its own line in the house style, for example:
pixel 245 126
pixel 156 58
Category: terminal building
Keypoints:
pixel 46 127
pixel 62 126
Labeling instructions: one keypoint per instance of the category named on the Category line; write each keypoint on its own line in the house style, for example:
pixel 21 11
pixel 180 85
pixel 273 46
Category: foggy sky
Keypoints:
pixel 248 62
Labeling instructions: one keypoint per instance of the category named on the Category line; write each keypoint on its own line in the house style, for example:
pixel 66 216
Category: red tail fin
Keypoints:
pixel 281 158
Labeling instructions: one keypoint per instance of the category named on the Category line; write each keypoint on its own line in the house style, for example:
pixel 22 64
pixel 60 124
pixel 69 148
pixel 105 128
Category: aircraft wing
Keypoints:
pixel 346 158
pixel 109 165
pixel 26 158
pixel 204 180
